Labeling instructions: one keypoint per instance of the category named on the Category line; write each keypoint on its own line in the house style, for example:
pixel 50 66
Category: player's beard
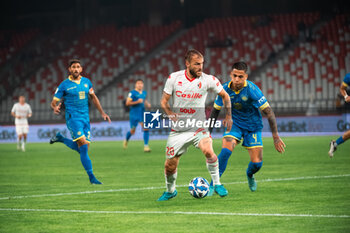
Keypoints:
pixel 75 75
pixel 194 73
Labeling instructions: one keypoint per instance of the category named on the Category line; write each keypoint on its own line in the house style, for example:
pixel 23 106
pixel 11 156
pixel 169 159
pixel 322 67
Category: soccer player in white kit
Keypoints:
pixel 21 111
pixel 189 89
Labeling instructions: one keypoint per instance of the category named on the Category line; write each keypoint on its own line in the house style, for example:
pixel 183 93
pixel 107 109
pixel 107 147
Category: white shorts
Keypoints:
pixel 22 129
pixel 178 142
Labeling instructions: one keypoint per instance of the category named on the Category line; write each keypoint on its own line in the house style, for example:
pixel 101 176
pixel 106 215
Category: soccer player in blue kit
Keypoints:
pixel 75 91
pixel 346 135
pixel 137 102
pixel 246 100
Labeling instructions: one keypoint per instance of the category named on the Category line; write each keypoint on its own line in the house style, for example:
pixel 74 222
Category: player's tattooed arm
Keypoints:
pixel 164 103
pixel 227 106
pixel 97 104
pixel 279 144
pixel 213 117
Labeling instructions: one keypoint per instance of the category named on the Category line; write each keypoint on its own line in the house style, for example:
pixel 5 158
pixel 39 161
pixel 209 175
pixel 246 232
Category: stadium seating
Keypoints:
pixel 314 69
pixel 251 43
pixel 105 52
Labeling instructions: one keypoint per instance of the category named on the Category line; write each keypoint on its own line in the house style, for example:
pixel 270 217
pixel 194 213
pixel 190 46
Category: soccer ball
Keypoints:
pixel 199 187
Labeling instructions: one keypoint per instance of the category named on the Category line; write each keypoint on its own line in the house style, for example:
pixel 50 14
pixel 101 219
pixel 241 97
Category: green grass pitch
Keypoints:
pixel 302 190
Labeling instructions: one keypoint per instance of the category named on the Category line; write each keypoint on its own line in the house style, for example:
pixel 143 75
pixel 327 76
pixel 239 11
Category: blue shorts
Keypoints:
pixel 251 139
pixel 134 122
pixel 79 128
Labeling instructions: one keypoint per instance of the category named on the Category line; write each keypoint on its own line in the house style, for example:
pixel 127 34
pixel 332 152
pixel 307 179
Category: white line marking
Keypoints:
pixel 176 212
pixel 162 187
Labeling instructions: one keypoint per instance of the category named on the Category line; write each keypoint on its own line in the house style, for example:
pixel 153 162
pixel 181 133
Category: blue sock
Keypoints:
pixel 253 168
pixel 85 160
pixel 223 159
pixel 128 135
pixel 146 137
pixel 71 144
pixel 340 140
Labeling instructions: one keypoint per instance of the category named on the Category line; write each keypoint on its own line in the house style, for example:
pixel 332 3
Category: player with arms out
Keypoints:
pixel 137 102
pixel 346 135
pixel 246 100
pixel 189 89
pixel 21 111
pixel 75 91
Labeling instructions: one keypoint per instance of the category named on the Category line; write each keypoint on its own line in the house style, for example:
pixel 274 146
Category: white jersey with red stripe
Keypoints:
pixel 23 111
pixel 189 97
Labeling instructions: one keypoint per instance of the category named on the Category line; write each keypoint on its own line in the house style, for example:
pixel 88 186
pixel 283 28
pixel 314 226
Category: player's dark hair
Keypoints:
pixel 190 53
pixel 73 61
pixel 138 80
pixel 240 66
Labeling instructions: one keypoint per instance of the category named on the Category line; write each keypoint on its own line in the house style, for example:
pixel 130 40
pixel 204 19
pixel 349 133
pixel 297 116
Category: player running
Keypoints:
pixel 75 91
pixel 346 135
pixel 21 111
pixel 189 89
pixel 137 102
pixel 246 100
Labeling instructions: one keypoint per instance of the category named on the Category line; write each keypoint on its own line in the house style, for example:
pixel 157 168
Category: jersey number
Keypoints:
pixel 255 137
pixel 169 151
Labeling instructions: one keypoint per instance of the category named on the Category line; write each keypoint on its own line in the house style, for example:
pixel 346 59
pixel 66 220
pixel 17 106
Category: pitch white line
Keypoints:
pixel 162 187
pixel 176 212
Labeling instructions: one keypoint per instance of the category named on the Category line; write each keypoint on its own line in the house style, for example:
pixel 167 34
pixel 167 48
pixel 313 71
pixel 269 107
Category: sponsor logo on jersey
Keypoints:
pixel 188 95
pixel 262 100
pixel 186 110
pixel 71 88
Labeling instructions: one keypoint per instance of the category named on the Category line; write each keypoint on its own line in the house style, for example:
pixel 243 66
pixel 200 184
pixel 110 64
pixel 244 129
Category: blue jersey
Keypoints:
pixel 75 95
pixel 245 105
pixel 346 81
pixel 136 111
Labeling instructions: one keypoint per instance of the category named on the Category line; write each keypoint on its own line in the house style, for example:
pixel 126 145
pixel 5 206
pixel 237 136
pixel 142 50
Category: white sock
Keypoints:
pixel 213 169
pixel 170 182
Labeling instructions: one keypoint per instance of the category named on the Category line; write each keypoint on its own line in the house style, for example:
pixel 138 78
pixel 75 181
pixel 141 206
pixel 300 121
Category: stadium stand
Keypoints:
pixel 105 52
pixel 315 66
pixel 313 70
pixel 252 39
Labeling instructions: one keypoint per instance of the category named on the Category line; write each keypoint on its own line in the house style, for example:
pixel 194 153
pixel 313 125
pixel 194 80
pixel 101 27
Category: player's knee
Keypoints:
pixel 82 141
pixel 209 153
pixel 229 143
pixel 132 131
pixel 257 156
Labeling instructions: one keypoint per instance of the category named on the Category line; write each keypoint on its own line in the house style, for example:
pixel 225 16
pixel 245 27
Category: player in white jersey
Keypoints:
pixel 21 111
pixel 189 89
